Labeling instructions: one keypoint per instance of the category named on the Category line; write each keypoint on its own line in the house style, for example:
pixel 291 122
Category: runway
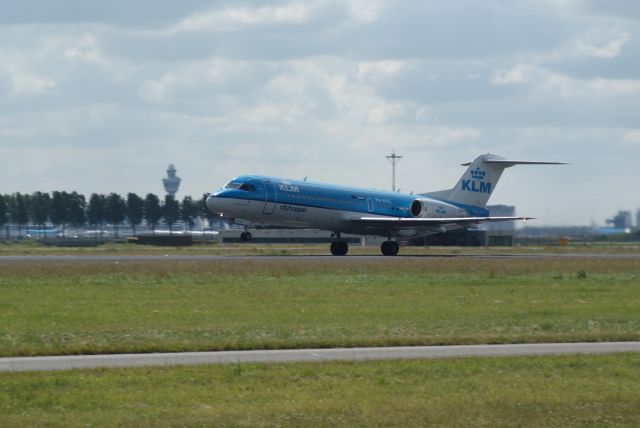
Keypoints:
pixel 16 364
pixel 210 258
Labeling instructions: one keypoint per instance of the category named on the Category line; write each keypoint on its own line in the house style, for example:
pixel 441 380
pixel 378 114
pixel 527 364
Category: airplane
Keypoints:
pixel 303 204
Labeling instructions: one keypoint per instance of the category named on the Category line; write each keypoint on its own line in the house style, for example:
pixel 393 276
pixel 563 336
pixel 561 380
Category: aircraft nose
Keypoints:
pixel 213 203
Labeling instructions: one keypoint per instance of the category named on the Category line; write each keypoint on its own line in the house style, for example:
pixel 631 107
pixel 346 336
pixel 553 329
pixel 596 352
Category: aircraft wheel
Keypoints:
pixel 245 236
pixel 390 248
pixel 339 248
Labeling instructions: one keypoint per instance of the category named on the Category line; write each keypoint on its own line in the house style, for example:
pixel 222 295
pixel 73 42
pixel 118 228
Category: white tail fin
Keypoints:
pixel 480 179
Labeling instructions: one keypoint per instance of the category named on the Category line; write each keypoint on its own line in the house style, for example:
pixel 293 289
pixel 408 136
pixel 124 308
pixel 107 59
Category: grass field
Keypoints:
pixel 568 391
pixel 131 306
pixel 107 307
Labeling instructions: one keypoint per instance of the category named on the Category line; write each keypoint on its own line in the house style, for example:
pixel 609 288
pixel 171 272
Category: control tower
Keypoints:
pixel 171 181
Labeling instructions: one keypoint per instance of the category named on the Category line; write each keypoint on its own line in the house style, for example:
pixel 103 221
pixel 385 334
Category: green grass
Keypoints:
pixel 567 391
pixel 107 307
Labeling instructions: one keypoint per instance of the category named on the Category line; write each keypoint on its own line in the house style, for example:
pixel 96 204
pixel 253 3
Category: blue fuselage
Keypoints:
pixel 305 194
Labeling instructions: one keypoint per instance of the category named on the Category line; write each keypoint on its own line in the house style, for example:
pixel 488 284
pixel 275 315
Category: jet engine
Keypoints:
pixel 425 207
pixel 416 208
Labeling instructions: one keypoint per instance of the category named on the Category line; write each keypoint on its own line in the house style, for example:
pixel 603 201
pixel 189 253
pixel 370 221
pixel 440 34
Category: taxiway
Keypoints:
pixel 14 364
pixel 209 258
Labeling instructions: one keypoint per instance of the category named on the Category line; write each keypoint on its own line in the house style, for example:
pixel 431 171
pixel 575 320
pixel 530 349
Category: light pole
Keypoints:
pixel 393 158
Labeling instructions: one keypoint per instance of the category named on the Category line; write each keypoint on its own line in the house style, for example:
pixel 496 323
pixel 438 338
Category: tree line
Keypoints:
pixel 63 209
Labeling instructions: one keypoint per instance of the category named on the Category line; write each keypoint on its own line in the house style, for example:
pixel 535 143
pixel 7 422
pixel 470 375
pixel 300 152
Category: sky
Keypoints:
pixel 103 96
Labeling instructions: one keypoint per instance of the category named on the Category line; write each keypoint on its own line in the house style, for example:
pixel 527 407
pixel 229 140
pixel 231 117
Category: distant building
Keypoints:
pixel 501 211
pixel 171 181
pixel 622 220
pixel 610 230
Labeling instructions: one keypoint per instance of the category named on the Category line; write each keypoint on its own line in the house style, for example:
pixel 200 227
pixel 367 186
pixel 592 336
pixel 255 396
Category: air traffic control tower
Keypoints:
pixel 171 181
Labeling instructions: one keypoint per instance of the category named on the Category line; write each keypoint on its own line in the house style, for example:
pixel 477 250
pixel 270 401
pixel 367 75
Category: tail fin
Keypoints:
pixel 480 179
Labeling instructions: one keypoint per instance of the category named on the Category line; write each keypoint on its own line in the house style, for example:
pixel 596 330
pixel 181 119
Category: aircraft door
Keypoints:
pixel 270 196
pixel 370 205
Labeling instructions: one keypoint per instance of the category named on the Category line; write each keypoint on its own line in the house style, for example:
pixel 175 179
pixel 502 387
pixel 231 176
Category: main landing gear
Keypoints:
pixel 245 236
pixel 390 248
pixel 338 247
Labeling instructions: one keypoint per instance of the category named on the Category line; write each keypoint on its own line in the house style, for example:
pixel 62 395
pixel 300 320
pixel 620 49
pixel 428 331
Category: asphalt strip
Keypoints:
pixel 244 258
pixel 68 362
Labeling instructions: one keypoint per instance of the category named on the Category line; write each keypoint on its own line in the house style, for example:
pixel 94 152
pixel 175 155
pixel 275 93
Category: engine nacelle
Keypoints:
pixel 416 208
pixel 424 207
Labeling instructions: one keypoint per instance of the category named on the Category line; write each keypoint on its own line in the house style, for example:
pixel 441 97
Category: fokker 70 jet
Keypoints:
pixel 305 204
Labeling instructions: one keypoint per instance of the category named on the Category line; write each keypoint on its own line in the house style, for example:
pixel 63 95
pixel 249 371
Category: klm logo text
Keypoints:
pixel 286 187
pixel 476 186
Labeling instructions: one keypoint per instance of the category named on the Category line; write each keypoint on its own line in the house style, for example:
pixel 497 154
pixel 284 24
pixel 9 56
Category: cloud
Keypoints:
pixel 610 50
pixel 193 81
pixel 366 11
pixel 19 81
pixel 632 136
pixel 366 30
pixel 14 134
pixel 614 87
pixel 456 29
pixel 115 12
pixel 234 18
pixel 514 75
pixel 82 48
pixel 25 83
pixel 619 8
pixel 373 69
pixel 549 83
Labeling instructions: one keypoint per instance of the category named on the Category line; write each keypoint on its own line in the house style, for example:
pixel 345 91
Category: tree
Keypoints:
pixel 60 209
pixel 189 211
pixel 40 208
pixel 4 212
pixel 170 212
pixel 95 211
pixel 206 212
pixel 19 211
pixel 77 205
pixel 152 211
pixel 135 210
pixel 115 211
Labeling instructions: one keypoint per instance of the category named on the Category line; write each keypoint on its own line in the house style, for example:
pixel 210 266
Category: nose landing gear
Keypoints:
pixel 390 248
pixel 245 236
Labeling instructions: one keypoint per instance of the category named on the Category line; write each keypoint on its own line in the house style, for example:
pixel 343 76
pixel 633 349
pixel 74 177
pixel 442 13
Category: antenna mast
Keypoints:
pixel 393 158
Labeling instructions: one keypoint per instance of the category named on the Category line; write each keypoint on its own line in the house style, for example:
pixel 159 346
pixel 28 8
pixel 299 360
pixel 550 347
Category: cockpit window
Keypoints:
pixel 232 185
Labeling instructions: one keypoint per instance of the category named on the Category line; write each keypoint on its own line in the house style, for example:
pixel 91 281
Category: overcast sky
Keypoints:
pixel 102 96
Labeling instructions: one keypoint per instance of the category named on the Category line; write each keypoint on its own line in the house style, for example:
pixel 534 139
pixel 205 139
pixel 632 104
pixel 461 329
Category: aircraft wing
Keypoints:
pixel 404 222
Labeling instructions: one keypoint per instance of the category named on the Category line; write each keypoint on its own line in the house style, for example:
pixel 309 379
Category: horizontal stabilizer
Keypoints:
pixel 507 163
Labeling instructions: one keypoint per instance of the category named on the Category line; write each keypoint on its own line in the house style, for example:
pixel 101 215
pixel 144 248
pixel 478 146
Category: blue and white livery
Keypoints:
pixel 305 204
